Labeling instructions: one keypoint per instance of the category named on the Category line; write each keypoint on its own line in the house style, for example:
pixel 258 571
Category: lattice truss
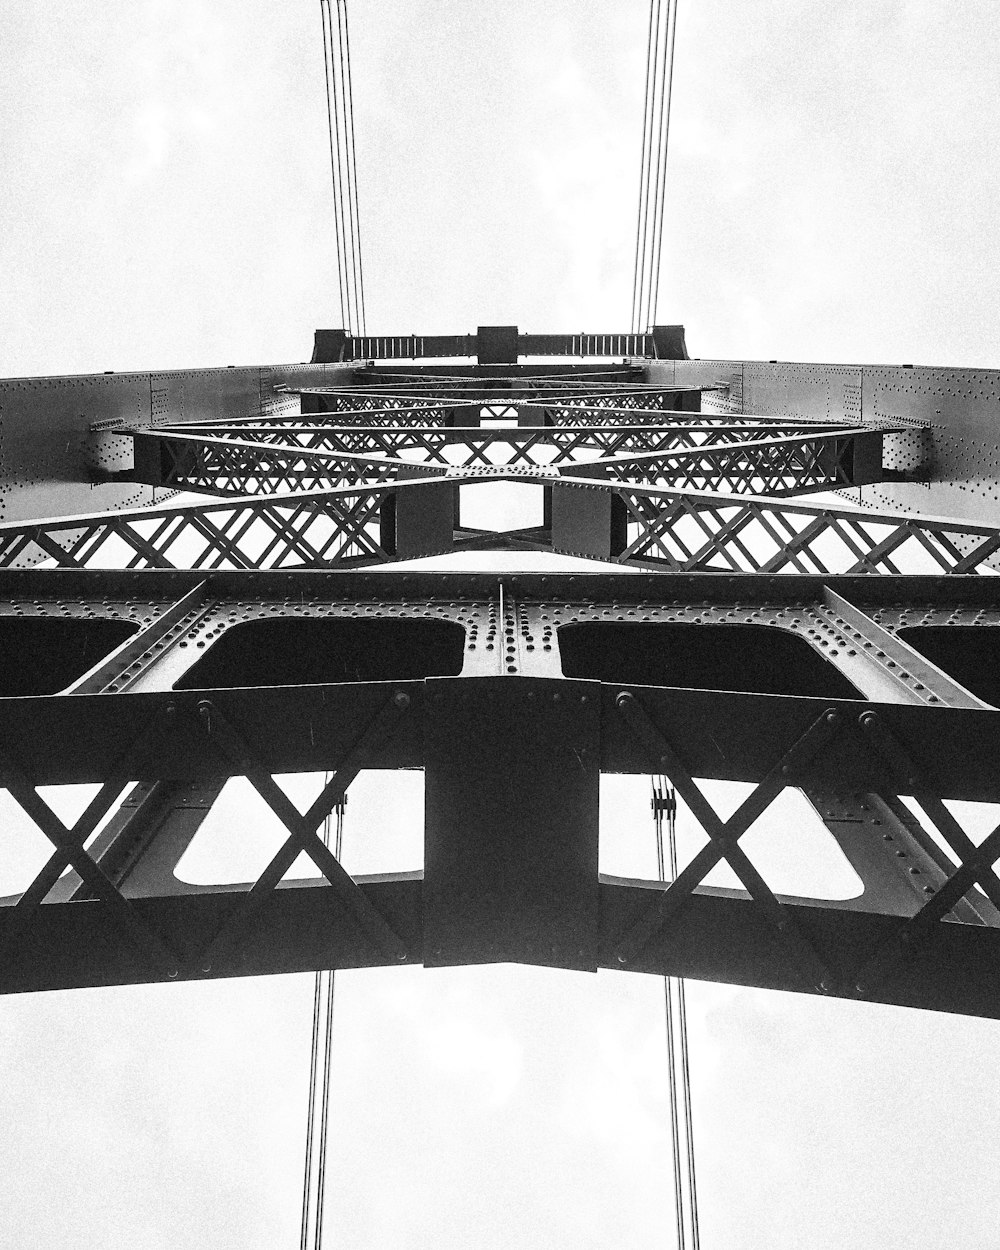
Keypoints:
pixel 885 737
pixel 628 473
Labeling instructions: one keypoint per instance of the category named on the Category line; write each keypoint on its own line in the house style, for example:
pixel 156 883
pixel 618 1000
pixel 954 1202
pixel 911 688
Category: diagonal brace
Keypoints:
pixel 70 852
pixel 302 829
pixel 910 776
pixel 724 835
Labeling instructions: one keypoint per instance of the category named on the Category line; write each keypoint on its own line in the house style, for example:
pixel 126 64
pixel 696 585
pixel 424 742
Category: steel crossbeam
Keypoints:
pixel 784 464
pixel 600 438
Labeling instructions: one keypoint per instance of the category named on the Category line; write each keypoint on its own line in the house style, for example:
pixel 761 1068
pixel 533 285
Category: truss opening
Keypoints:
pixel 24 848
pixel 383 829
pixel 317 652
pixel 752 659
pixel 788 844
pixel 501 506
pixel 44 654
pixel 969 654
pixel 977 820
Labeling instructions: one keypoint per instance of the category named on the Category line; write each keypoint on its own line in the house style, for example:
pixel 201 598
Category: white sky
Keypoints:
pixel 164 203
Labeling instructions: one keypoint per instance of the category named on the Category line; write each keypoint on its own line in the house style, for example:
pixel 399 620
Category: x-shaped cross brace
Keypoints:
pixel 71 853
pixel 302 831
pixel 975 862
pixel 724 837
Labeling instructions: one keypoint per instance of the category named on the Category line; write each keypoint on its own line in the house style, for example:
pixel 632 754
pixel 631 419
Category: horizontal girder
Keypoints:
pixel 909 731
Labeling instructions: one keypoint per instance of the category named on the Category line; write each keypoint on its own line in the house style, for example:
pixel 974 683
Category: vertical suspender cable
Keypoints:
pixel 327 1067
pixel 659 810
pixel 661 40
pixel 664 804
pixel 351 320
pixel 640 249
pixel 347 91
pixel 311 1118
pixel 665 120
pixel 688 1115
pixel 658 127
pixel 685 1055
pixel 354 167
pixel 644 214
pixel 321 1057
pixel 347 192
pixel 324 12
pixel 343 165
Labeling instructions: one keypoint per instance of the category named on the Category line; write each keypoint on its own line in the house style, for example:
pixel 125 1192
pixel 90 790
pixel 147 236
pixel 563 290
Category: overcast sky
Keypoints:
pixel 832 195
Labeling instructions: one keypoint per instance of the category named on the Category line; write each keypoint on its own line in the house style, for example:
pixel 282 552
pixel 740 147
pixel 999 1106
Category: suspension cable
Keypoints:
pixel 339 208
pixel 347 90
pixel 320 1058
pixel 661 40
pixel 665 147
pixel 653 53
pixel 343 164
pixel 664 805
pixel 640 219
pixel 345 171
pixel 323 13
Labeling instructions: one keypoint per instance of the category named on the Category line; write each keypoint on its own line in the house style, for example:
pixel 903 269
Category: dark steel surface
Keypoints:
pixel 496 345
pixel 510 836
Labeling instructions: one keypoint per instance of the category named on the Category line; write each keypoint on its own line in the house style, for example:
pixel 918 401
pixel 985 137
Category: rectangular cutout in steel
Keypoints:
pixel 501 506
pixel 306 651
pixel 755 659
pixel 45 654
pixel 970 654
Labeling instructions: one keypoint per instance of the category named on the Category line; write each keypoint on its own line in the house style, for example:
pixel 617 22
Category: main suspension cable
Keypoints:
pixel 320 1060
pixel 664 805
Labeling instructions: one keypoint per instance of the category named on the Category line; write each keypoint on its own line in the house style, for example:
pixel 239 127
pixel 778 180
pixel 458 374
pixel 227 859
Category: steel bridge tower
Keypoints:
pixel 200 581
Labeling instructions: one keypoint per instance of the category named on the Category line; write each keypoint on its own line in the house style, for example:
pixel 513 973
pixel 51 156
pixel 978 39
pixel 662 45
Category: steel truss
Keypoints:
pixel 239 636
